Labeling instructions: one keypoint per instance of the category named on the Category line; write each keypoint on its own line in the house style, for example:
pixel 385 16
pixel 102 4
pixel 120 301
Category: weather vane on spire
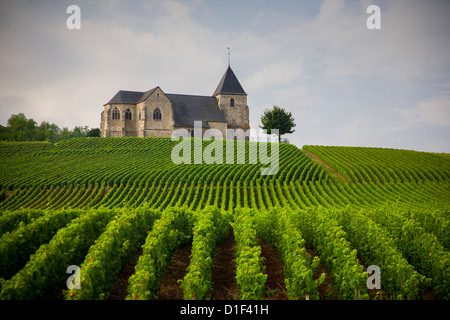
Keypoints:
pixel 228 56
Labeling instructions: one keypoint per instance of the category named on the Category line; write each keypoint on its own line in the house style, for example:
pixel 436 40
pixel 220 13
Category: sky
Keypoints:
pixel 345 85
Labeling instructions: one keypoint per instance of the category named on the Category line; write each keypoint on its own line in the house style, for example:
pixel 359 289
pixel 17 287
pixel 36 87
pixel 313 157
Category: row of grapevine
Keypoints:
pixel 45 272
pixel 17 245
pixel 11 220
pixel 134 160
pixel 276 229
pixel 422 249
pixel 111 251
pixel 250 276
pixel 210 227
pixel 171 231
pixel 55 197
pixel 346 240
pixel 328 238
pixel 296 195
pixel 376 247
pixel 380 165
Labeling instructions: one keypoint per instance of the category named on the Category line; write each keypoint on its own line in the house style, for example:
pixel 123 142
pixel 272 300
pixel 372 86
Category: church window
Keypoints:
pixel 231 102
pixel 128 114
pixel 139 116
pixel 157 114
pixel 116 114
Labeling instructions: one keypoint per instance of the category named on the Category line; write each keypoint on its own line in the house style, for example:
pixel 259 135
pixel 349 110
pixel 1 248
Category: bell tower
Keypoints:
pixel 232 99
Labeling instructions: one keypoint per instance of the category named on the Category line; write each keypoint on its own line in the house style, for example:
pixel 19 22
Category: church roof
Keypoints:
pixel 229 84
pixel 147 94
pixel 187 109
pixel 126 97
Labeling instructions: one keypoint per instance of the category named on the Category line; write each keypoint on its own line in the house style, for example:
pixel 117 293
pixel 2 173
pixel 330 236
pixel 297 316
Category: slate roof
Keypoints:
pixel 187 109
pixel 126 97
pixel 147 94
pixel 229 84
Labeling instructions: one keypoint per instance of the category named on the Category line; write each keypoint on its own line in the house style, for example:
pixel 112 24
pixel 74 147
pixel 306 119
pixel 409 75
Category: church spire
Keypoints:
pixel 228 56
pixel 229 84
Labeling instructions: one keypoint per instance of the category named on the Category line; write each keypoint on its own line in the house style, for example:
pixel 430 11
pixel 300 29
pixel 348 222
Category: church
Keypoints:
pixel 155 113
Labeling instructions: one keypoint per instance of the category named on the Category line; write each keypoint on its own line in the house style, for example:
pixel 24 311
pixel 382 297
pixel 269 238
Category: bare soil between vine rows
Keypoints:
pixel 223 275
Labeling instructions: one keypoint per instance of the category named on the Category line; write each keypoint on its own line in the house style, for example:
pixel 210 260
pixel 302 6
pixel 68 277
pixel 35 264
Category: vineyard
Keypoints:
pixel 326 215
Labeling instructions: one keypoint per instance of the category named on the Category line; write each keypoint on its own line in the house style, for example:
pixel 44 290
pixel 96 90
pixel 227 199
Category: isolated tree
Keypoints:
pixel 277 118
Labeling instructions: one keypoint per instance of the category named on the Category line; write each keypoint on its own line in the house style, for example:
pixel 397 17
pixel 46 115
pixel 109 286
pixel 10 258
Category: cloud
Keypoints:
pixel 365 132
pixel 436 111
pixel 277 73
pixel 66 76
pixel 412 43
pixel 433 112
pixel 343 83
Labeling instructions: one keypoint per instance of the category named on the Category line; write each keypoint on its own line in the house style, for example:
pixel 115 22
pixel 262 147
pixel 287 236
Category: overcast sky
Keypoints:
pixel 344 84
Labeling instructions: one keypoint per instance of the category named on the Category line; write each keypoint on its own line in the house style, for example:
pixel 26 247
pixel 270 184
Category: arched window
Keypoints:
pixel 116 114
pixel 128 114
pixel 157 114
pixel 231 102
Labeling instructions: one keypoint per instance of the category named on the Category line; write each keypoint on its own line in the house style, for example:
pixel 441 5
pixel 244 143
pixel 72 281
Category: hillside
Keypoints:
pixel 335 209
pixel 358 164
pixel 90 173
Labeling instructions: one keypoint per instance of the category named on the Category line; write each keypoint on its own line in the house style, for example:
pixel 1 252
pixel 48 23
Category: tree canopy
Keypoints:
pixel 277 118
pixel 19 128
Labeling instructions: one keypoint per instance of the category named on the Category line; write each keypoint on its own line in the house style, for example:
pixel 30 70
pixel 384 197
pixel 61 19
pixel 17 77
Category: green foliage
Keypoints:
pixel 45 272
pixel 172 230
pixel 359 164
pixel 19 128
pixel 276 228
pixel 277 118
pixel 422 249
pixel 210 226
pixel 250 276
pixel 393 213
pixel 10 220
pixel 16 246
pixel 111 252
pixel 375 246
pixel 324 234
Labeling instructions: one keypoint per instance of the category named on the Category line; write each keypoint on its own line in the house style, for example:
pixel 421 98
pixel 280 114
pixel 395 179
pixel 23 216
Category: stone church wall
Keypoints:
pixel 238 115
pixel 158 127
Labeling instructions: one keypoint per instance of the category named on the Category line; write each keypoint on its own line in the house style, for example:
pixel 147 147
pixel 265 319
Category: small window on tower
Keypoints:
pixel 231 102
